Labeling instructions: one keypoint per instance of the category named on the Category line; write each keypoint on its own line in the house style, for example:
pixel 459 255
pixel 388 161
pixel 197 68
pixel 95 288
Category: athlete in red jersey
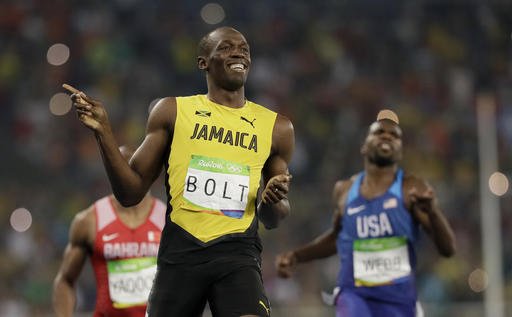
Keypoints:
pixel 122 244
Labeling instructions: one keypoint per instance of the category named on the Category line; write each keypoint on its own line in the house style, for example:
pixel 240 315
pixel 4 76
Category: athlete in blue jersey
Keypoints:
pixel 377 216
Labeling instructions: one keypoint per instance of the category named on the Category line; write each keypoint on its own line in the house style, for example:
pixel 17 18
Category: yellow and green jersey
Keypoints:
pixel 214 167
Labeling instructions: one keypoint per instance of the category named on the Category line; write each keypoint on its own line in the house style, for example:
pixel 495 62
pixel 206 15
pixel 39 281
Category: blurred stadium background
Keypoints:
pixel 328 65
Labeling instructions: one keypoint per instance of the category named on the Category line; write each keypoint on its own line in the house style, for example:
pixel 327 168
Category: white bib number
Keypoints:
pixel 381 261
pixel 216 186
pixel 130 280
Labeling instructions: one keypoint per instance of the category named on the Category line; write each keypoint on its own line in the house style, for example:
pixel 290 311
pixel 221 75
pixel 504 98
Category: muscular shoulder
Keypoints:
pixel 340 187
pixel 283 128
pixel 163 113
pixel 83 227
pixel 283 137
pixel 412 181
pixel 340 191
pixel 283 124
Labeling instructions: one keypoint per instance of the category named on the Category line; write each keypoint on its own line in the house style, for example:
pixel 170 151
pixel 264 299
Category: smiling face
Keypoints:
pixel 383 144
pixel 224 54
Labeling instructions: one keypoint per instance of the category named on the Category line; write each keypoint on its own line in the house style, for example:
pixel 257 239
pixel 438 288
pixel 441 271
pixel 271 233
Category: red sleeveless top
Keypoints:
pixel 124 260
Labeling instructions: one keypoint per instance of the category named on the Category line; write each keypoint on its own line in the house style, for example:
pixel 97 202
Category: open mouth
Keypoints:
pixel 385 146
pixel 237 67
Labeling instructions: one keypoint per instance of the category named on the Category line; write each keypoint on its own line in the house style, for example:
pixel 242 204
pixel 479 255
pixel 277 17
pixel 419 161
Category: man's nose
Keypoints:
pixel 387 136
pixel 238 52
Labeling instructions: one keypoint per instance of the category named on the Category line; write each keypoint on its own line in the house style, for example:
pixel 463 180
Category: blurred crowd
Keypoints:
pixel 329 66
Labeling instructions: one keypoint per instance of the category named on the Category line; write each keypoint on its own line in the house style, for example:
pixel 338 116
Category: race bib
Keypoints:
pixel 381 261
pixel 130 281
pixel 216 186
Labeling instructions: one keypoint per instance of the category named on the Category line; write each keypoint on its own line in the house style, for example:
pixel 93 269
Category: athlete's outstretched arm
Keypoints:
pixel 129 181
pixel 75 254
pixel 322 246
pixel 422 203
pixel 274 205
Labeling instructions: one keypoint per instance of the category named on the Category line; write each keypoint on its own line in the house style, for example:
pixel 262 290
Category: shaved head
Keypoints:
pixel 208 41
pixel 224 56
pixel 387 114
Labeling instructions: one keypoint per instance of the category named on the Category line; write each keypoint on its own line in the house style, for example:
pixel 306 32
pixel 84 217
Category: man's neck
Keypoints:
pixel 378 179
pixel 376 171
pixel 135 210
pixel 233 99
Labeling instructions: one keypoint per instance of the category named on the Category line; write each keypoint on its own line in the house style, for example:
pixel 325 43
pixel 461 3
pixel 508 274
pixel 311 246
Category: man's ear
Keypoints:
pixel 363 149
pixel 202 64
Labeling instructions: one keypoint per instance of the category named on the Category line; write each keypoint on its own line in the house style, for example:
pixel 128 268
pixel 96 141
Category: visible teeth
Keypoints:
pixel 385 146
pixel 237 67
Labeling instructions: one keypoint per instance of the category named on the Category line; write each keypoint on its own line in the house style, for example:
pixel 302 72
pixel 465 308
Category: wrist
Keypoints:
pixel 433 212
pixel 103 132
pixel 297 257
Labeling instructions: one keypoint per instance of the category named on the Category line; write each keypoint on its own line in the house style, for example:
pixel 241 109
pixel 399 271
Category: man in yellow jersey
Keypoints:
pixel 219 150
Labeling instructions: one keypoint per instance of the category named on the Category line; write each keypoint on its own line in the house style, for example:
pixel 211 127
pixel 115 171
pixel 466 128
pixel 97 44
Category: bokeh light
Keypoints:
pixel 498 184
pixel 57 54
pixel 21 219
pixel 60 104
pixel 478 280
pixel 213 13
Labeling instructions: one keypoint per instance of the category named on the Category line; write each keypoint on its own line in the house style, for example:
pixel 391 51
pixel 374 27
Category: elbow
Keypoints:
pixel 448 250
pixel 273 222
pixel 271 216
pixel 447 253
pixel 127 200
pixel 270 223
pixel 63 278
pixel 271 226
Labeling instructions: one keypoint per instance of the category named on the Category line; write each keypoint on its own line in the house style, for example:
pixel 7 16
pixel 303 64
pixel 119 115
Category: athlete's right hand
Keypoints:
pixel 276 189
pixel 285 264
pixel 89 111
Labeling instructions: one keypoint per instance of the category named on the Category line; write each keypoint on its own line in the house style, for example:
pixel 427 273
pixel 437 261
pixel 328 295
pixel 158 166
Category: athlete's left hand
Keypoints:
pixel 276 189
pixel 422 201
